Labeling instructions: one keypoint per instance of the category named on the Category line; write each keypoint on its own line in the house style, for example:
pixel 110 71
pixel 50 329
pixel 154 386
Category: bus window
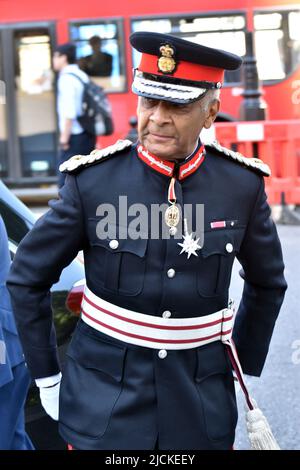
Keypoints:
pixel 100 52
pixel 164 26
pixel 294 38
pixel 35 103
pixel 3 130
pixel 277 32
pixel 223 31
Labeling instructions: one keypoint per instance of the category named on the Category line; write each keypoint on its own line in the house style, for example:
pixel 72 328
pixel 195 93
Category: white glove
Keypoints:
pixel 50 400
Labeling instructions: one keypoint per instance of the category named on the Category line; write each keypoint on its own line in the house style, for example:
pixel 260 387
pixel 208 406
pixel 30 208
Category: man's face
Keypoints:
pixel 171 130
pixel 59 61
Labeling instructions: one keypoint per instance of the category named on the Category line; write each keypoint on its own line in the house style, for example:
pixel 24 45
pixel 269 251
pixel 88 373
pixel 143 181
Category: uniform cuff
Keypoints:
pixel 48 381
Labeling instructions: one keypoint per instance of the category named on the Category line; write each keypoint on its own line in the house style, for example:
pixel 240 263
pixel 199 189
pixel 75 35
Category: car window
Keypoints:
pixel 16 227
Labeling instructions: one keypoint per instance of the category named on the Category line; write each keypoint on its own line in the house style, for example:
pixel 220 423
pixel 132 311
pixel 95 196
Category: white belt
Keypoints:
pixel 177 333
pixel 163 333
pixel 155 332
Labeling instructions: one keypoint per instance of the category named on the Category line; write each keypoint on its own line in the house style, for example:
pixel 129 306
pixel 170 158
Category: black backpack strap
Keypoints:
pixel 78 78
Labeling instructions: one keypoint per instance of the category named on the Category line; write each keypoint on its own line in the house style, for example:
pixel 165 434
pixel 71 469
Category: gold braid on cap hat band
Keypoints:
pixel 177 81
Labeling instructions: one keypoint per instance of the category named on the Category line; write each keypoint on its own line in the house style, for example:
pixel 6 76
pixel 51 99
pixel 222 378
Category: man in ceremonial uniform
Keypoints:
pixel 150 362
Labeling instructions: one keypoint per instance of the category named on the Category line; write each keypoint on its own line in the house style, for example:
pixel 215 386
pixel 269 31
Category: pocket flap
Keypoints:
pixel 211 359
pixel 93 353
pixel 117 240
pixel 223 242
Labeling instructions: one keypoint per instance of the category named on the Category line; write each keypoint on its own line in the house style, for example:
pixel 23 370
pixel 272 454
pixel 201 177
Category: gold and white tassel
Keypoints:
pixel 259 431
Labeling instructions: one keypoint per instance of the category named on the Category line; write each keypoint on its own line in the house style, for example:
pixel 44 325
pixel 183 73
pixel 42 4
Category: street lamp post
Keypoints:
pixel 253 106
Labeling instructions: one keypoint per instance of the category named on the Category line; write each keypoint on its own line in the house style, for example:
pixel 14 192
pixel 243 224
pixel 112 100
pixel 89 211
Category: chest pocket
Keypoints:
pixel 118 263
pixel 216 259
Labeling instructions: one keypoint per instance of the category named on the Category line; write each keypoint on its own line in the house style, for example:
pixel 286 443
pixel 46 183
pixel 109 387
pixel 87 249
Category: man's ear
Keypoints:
pixel 212 113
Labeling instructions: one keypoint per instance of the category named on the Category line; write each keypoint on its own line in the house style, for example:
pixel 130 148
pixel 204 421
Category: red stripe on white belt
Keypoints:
pixel 155 332
pixel 163 333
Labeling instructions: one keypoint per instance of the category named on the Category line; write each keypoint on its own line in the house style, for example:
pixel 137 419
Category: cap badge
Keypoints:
pixel 166 62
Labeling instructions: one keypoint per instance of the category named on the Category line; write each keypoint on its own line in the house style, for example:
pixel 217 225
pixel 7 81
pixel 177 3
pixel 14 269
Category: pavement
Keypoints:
pixel 277 391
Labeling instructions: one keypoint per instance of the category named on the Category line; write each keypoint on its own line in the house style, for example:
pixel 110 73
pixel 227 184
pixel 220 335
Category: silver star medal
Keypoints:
pixel 189 245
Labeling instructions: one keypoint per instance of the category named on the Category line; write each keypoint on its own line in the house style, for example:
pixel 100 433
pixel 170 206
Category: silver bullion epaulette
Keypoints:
pixel 94 157
pixel 254 163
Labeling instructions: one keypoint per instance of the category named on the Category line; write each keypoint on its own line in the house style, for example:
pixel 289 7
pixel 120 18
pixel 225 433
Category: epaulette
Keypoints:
pixel 96 156
pixel 252 163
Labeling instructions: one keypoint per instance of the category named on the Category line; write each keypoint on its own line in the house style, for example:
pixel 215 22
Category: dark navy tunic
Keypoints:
pixel 115 395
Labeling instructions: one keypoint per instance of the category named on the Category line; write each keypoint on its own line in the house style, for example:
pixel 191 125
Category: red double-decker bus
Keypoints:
pixel 30 29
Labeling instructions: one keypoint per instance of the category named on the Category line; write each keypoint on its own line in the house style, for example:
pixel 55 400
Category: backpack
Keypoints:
pixel 96 117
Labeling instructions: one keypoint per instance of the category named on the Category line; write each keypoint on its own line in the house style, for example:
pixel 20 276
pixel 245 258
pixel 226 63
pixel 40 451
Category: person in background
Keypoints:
pixel 14 376
pixel 97 64
pixel 73 140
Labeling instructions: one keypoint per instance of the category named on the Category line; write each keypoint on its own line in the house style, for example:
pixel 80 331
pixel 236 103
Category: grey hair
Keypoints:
pixel 211 95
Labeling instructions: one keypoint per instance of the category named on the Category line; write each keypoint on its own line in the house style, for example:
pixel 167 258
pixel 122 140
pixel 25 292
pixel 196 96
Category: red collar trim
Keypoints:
pixel 162 166
pixel 167 168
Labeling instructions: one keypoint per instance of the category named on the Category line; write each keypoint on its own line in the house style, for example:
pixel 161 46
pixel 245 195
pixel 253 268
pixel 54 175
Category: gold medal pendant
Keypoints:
pixel 172 215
